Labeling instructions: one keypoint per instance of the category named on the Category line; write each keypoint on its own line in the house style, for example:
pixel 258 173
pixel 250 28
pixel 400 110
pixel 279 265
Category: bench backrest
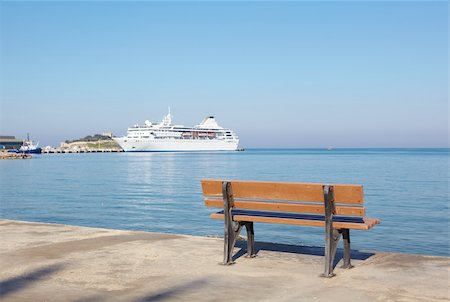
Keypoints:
pixel 285 196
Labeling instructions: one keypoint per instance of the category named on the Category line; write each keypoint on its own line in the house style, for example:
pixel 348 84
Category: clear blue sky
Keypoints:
pixel 290 74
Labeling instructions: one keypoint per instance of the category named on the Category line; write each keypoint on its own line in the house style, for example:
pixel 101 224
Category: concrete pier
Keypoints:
pixel 50 262
pixel 56 151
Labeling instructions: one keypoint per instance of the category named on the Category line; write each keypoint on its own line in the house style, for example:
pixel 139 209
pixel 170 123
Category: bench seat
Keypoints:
pixel 340 222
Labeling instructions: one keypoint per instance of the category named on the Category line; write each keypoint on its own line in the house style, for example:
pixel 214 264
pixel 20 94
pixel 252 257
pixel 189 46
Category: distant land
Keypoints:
pixel 92 142
pixel 91 138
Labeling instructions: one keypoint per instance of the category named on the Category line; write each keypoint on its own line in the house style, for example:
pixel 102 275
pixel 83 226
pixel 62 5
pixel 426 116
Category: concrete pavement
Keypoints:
pixel 50 262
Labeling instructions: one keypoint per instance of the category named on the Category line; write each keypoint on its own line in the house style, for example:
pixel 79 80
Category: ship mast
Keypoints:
pixel 167 120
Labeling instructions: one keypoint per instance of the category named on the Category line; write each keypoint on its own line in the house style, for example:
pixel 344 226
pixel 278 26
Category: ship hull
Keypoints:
pixel 173 145
pixel 32 151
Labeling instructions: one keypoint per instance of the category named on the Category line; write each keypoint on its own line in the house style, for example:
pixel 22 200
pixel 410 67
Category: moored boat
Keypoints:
pixel 28 147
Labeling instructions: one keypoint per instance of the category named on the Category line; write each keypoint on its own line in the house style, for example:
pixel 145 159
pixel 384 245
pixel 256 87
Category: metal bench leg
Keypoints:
pixel 251 252
pixel 231 228
pixel 331 242
pixel 232 231
pixel 331 234
pixel 347 250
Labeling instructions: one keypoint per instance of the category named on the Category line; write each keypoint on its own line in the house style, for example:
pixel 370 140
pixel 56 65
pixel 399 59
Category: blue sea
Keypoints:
pixel 408 189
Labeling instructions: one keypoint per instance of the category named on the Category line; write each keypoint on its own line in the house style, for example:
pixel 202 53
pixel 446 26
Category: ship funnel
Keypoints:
pixel 209 123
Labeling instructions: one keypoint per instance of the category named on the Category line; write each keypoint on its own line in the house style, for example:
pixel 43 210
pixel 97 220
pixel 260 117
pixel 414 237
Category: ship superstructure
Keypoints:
pixel 165 136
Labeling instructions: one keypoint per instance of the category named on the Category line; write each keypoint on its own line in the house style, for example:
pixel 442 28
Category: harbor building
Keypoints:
pixel 10 142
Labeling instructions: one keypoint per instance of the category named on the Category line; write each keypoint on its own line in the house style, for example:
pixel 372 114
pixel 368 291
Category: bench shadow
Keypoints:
pixel 18 283
pixel 297 249
pixel 173 291
pixel 94 298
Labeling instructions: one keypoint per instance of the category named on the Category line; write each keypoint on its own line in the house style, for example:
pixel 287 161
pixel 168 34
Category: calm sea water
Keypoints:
pixel 408 189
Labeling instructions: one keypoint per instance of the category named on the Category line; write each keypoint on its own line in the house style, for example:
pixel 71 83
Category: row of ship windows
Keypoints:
pixel 179 130
pixel 183 138
pixel 180 138
pixel 185 141
pixel 165 131
pixel 146 136
pixel 143 135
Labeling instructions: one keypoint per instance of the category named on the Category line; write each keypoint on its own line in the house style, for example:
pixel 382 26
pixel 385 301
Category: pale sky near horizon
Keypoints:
pixel 281 74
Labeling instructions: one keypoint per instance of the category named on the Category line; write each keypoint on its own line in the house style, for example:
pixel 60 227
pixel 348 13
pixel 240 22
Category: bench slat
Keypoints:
pixel 302 216
pixel 367 222
pixel 286 207
pixel 287 191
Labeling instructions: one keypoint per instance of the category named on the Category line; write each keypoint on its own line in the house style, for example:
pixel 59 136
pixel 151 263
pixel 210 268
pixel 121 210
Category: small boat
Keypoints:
pixel 28 147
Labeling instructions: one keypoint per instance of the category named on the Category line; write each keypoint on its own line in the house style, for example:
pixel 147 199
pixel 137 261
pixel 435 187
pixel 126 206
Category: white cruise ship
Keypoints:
pixel 165 136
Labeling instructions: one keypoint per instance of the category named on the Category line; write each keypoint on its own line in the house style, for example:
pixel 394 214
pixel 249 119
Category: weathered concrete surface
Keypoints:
pixel 48 262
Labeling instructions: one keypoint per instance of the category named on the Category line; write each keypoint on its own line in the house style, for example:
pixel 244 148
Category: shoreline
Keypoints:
pixel 55 262
pixel 220 237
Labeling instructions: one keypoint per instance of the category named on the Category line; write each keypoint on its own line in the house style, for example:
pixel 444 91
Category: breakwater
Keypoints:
pixel 11 155
pixel 58 150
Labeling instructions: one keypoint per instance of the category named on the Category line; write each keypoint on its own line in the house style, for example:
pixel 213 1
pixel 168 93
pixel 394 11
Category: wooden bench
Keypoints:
pixel 337 208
